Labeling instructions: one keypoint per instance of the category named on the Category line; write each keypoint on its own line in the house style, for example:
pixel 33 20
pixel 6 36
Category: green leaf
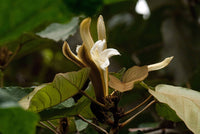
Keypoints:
pixel 21 16
pixel 81 107
pixel 165 111
pixel 64 86
pixel 13 119
pixel 84 103
pixel 185 102
pixel 81 125
pixel 56 31
pixel 17 92
pixel 17 121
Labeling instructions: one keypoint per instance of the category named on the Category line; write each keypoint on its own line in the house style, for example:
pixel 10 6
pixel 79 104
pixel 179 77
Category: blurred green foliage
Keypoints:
pixel 89 7
pixel 14 119
pixel 171 30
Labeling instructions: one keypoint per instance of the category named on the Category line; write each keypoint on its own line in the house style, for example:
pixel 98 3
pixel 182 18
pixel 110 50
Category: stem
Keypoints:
pixel 113 92
pixel 101 129
pixel 127 121
pixel 15 53
pixel 51 124
pixel 1 78
pixel 128 112
pixel 146 86
pixel 116 115
pixel 93 100
pixel 43 124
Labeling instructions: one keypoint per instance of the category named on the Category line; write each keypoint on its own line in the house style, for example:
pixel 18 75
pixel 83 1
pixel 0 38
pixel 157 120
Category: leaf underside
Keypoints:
pixel 185 102
pixel 64 86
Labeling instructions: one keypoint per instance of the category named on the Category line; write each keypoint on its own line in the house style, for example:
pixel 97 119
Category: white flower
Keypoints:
pixel 100 55
pixel 94 55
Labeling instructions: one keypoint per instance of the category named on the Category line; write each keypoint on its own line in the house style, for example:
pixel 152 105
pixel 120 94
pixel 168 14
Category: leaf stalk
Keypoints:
pixel 130 119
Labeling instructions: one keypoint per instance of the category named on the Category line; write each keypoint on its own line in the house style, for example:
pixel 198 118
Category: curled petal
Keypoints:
pixel 116 84
pixel 85 33
pixel 100 56
pixel 159 65
pixel 109 52
pixel 97 47
pixel 70 55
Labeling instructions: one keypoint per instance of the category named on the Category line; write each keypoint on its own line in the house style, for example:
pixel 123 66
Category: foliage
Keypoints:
pixel 63 87
pixel 184 101
pixel 13 116
pixel 31 39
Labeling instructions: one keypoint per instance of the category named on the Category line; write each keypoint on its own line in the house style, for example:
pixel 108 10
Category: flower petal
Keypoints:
pixel 85 33
pixel 105 64
pixel 70 55
pixel 77 48
pixel 107 53
pixel 159 65
pixel 101 30
pixel 97 48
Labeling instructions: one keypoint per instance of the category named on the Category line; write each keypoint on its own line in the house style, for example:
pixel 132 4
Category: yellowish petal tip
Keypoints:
pixel 160 65
pixel 86 21
pixel 100 17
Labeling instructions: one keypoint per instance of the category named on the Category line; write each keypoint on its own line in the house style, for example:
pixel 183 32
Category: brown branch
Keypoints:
pixel 101 129
pixel 127 121
pixel 15 53
pixel 54 131
pixel 128 112
pixel 51 124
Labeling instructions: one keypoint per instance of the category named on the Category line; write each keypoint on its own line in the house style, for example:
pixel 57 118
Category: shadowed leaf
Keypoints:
pixel 132 75
pixel 14 120
pixel 82 107
pixel 63 87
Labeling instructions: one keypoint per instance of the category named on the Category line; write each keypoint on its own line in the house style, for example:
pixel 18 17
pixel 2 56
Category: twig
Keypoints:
pixel 50 123
pixel 113 92
pixel 101 129
pixel 128 112
pixel 93 100
pixel 127 121
pixel 15 53
pixel 146 86
pixel 144 130
pixel 43 124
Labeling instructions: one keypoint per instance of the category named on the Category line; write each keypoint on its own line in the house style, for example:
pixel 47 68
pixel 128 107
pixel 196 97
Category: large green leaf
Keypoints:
pixel 81 107
pixel 21 16
pixel 185 102
pixel 13 119
pixel 64 86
